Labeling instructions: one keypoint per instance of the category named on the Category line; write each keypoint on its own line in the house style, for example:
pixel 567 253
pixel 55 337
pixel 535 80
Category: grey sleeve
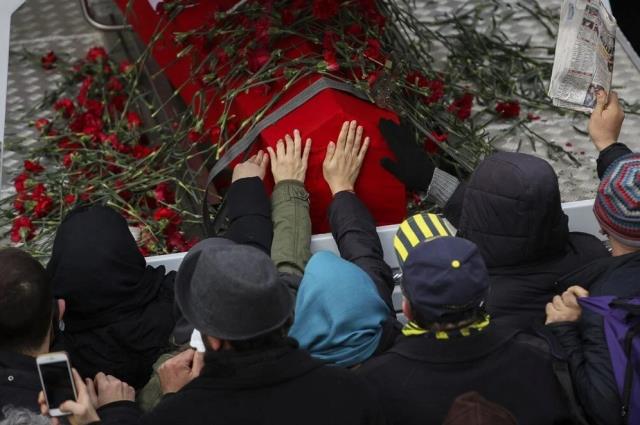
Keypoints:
pixel 442 187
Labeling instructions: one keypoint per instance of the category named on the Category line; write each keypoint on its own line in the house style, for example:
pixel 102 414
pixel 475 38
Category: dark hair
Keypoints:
pixel 25 301
pixel 460 317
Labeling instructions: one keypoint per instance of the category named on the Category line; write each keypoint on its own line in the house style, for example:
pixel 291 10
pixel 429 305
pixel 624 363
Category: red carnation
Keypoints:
pixel 22 229
pixel 67 159
pixel 44 205
pixel 214 133
pixel 262 26
pixel 20 182
pixel 431 143
pixel 18 203
pixel 508 109
pixel 125 67
pixel 325 9
pixel 33 167
pixel 41 124
pixel 96 54
pixel 461 107
pixel 257 58
pixel 48 61
pixel 355 30
pixel 163 193
pixel 374 50
pixel 70 199
pixel 194 136
pixel 140 151
pixel 65 105
pixel 164 213
pixel 133 120
pixel 114 84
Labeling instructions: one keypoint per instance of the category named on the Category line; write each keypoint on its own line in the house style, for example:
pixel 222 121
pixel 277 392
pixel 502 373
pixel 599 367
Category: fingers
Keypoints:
pixel 73 407
pixel 186 357
pixel 351 136
pixel 280 149
pixel 91 389
pixel 331 150
pixel 578 291
pixel 570 300
pixel 198 364
pixel 297 144
pixel 363 150
pixel 613 100
pixel 289 146
pixel 342 137
pixel 306 153
pixel 601 102
pixel 81 388
pixel 42 403
pixel 558 303
pixel 357 142
pixel 272 156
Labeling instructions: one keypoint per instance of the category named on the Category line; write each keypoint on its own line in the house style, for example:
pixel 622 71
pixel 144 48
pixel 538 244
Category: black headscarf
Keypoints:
pixel 119 311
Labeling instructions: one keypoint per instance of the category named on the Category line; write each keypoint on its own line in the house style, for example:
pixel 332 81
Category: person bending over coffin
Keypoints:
pixel 510 208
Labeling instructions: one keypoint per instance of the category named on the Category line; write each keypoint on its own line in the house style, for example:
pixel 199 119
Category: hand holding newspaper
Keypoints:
pixel 585 49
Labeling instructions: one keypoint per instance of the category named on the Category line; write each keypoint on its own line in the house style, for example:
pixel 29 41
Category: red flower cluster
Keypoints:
pixel 461 107
pixel 508 109
pixel 22 229
pixel 435 87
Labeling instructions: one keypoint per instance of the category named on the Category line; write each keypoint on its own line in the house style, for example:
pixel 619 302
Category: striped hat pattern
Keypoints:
pixel 617 205
pixel 418 228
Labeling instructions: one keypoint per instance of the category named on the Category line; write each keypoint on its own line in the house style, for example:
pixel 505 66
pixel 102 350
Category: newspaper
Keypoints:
pixel 585 49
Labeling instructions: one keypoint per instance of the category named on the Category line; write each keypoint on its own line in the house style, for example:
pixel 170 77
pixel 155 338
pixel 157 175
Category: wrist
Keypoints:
pixel 602 145
pixel 341 188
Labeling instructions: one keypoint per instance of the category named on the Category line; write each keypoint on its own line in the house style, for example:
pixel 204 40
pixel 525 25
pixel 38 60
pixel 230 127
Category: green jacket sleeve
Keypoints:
pixel 291 248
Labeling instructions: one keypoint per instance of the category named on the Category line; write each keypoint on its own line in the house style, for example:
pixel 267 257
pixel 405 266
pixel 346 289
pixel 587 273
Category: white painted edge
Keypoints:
pixel 7 7
pixel 580 213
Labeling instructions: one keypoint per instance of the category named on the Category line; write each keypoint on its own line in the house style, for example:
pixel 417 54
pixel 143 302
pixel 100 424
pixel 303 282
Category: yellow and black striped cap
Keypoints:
pixel 418 228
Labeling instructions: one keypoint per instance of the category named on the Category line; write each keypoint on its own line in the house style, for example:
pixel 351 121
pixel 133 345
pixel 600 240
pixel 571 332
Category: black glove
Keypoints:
pixel 413 166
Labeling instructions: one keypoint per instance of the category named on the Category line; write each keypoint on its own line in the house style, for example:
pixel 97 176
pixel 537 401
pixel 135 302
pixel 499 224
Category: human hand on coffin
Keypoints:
pixel 606 120
pixel 256 166
pixel 413 167
pixel 289 160
pixel 83 410
pixel 105 389
pixel 565 308
pixel 344 159
pixel 178 371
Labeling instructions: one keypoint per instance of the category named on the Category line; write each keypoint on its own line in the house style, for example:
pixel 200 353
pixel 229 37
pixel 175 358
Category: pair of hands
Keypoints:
pixel 341 166
pixel 92 394
pixel 565 307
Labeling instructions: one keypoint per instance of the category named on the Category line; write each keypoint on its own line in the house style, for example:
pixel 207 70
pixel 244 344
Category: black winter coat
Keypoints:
pixel 282 385
pixel 511 209
pixel 420 377
pixel 19 381
pixel 354 230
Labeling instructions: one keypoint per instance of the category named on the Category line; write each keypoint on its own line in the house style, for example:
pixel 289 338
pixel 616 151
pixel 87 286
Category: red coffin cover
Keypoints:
pixel 320 118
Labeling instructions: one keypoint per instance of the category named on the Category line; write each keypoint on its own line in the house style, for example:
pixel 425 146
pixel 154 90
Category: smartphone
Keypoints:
pixel 57 380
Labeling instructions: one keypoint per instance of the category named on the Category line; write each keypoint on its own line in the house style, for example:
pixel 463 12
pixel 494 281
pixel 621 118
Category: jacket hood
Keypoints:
pixel 512 210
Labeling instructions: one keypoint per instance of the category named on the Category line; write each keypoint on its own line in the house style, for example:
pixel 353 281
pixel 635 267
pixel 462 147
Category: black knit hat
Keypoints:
pixel 231 291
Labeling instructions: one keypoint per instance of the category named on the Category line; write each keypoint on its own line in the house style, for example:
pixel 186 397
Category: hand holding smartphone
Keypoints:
pixel 64 393
pixel 57 381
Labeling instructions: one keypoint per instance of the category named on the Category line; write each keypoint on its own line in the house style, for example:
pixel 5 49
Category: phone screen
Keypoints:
pixel 57 383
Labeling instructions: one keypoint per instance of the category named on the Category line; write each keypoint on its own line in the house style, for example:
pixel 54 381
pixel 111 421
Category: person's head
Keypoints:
pixel 339 313
pixel 473 409
pixel 233 294
pixel 96 266
pixel 26 303
pixel 617 204
pixel 512 210
pixel 445 284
